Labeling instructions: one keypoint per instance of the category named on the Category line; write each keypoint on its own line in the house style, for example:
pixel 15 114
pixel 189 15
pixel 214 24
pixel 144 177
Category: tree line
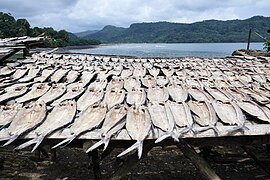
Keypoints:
pixel 10 27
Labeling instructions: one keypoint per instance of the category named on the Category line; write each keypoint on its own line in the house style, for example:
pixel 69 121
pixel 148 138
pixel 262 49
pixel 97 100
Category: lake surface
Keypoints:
pixel 170 49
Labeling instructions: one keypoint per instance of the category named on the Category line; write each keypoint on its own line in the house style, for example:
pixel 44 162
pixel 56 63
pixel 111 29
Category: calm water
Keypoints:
pixel 170 49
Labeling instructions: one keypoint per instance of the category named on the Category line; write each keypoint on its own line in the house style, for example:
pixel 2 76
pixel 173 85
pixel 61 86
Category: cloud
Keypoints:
pixel 79 15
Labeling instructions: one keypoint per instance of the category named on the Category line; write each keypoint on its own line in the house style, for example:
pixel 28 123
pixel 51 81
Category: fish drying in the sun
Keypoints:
pixel 163 119
pixel 7 114
pixel 132 82
pixel 32 73
pixel 6 71
pixel 253 109
pixel 58 118
pixel 181 114
pixel 154 71
pixel 136 96
pixel 158 94
pixel 89 119
pixel 139 72
pixel 86 77
pixel 90 97
pixel 72 76
pixel 37 91
pixel 149 81
pixel 59 74
pixel 19 73
pixel 53 93
pixel 114 96
pixel 198 94
pixel 99 84
pixel 46 73
pixel 13 93
pixel 73 91
pixel 162 81
pixel 235 94
pixel 138 125
pixel 114 122
pixel 177 92
pixel 168 71
pixel 126 72
pixel 116 82
pixel 231 114
pixel 204 115
pixel 28 118
pixel 217 94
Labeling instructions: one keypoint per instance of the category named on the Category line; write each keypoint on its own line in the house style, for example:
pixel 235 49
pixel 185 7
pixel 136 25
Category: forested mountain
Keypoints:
pixel 85 33
pixel 199 32
pixel 10 27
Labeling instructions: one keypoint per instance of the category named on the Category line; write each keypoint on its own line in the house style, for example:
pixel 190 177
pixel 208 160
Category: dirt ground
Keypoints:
pixel 169 163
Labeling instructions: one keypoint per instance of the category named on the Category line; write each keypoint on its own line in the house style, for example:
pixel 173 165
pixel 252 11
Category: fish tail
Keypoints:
pixel 106 143
pixel 206 129
pixel 99 143
pixel 131 148
pixel 234 130
pixel 66 141
pixel 166 135
pixel 10 139
pixel 39 139
pixel 140 149
pixel 26 144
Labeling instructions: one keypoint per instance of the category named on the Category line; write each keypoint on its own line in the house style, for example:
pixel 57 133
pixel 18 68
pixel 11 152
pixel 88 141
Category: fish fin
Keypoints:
pixel 140 149
pixel 39 139
pixel 234 130
pixel 24 145
pixel 131 148
pixel 65 141
pixel 214 128
pixel 166 135
pixel 10 139
pixel 106 143
pixel 99 143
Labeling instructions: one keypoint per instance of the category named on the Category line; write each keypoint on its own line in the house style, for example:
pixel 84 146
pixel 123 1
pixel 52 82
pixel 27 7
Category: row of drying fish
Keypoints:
pixel 174 118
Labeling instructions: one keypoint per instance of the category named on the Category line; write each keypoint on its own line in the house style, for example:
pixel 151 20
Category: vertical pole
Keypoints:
pixel 249 37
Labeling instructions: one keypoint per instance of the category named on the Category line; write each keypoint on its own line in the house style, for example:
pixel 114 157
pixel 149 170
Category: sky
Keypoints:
pixel 81 15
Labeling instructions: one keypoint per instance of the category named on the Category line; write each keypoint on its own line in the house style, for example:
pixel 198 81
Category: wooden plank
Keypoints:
pixel 198 161
pixel 9 55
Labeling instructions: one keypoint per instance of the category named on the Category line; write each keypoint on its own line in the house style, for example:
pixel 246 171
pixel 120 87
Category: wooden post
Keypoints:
pixel 249 38
pixel 197 160
pixel 94 156
pixel 132 160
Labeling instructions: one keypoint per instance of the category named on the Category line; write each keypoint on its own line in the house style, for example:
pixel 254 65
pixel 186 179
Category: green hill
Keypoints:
pixel 10 27
pixel 199 32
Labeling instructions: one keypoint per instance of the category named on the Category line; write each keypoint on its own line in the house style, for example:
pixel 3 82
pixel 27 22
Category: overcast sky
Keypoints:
pixel 80 15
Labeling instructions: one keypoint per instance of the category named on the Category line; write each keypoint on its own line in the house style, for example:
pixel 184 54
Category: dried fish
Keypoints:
pixel 73 91
pixel 59 74
pixel 7 114
pixel 56 91
pixel 37 91
pixel 28 118
pixel 253 109
pixel 19 73
pixel 89 119
pixel 126 72
pixel 138 125
pixel 32 73
pixel 198 94
pixel 163 119
pixel 154 71
pixel 61 116
pixel 217 94
pixel 162 81
pixel 177 92
pixel 181 114
pixel 131 82
pixel 204 115
pixel 72 76
pixel 116 82
pixel 114 121
pixel 149 81
pixel 136 96
pixel 13 93
pixel 46 73
pixel 7 70
pixel 86 77
pixel 99 84
pixel 158 94
pixel 90 97
pixel 114 96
